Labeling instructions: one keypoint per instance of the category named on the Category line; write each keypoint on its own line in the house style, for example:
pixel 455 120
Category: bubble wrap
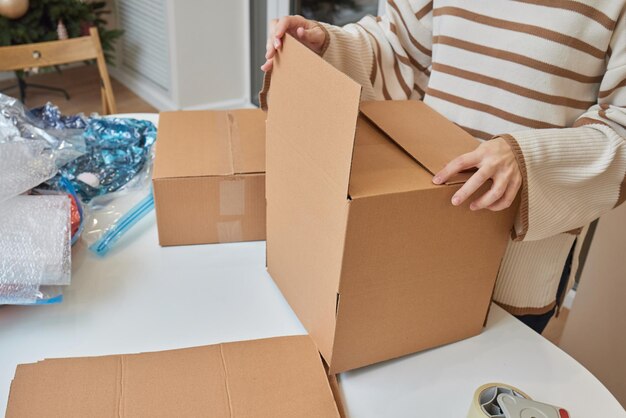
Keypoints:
pixel 24 165
pixel 35 240
pixel 18 294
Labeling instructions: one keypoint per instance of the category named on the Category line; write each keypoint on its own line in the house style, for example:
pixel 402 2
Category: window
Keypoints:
pixel 336 12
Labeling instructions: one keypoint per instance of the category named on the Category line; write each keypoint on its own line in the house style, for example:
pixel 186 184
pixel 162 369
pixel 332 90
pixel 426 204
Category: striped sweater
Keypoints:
pixel 547 75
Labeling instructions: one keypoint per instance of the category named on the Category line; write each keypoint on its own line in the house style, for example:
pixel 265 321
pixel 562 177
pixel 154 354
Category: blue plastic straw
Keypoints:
pixel 126 222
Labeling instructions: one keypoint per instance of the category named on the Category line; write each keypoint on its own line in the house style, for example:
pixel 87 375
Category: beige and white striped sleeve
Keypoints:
pixel 390 56
pixel 574 175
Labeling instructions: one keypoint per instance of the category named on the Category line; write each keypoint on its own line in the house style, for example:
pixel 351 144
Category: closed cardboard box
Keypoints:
pixel 272 378
pixel 209 176
pixel 370 254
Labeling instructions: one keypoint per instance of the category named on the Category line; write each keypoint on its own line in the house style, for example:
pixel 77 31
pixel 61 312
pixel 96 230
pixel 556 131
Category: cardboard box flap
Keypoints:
pixel 272 378
pixel 313 108
pixel 380 166
pixel 426 135
pixel 209 143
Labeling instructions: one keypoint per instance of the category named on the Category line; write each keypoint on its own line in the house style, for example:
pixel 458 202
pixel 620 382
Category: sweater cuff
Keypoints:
pixel 349 50
pixel 521 221
pixel 570 177
pixel 326 38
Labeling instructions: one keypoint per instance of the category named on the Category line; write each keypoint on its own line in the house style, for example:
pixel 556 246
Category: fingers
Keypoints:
pixel 306 31
pixel 457 165
pixel 267 66
pixel 286 24
pixel 508 198
pixel 270 45
pixel 497 190
pixel 471 185
pixel 313 37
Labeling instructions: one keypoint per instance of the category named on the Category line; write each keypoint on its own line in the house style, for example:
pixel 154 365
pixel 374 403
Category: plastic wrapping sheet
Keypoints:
pixel 110 216
pixel 51 117
pixel 35 240
pixel 16 124
pixel 24 165
pixel 117 151
pixel 30 154
pixel 18 294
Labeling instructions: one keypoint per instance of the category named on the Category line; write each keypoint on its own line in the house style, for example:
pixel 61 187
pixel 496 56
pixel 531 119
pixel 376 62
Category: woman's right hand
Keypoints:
pixel 306 31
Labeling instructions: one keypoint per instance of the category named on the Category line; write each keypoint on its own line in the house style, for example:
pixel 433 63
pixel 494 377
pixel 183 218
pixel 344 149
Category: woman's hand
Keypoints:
pixel 306 31
pixel 495 160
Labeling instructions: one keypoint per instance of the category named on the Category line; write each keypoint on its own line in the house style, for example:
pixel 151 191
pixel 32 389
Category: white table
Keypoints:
pixel 142 297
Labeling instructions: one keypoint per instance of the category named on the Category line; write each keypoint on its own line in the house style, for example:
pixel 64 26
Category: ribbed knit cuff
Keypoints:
pixel 326 39
pixel 571 176
pixel 349 50
pixel 521 222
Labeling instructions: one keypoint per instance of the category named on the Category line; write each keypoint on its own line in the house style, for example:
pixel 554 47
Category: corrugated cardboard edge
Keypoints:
pixel 265 89
pixel 296 66
pixel 335 389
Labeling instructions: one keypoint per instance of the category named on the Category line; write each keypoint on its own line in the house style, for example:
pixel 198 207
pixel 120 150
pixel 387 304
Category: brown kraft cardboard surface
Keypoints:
pixel 272 378
pixel 370 254
pixel 209 176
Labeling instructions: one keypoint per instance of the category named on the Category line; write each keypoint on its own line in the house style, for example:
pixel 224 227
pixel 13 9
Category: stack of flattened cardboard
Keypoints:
pixel 370 254
pixel 273 378
pixel 209 176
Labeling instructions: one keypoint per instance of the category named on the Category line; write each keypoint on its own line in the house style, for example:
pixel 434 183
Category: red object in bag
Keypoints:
pixel 74 215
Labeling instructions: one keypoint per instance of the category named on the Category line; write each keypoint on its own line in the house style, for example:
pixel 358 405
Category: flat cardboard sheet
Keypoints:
pixel 272 378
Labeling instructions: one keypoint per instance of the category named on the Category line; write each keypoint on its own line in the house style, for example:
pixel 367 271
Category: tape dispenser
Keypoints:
pixel 497 400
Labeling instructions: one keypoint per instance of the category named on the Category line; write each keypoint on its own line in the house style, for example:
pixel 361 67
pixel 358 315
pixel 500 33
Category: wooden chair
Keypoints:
pixel 43 54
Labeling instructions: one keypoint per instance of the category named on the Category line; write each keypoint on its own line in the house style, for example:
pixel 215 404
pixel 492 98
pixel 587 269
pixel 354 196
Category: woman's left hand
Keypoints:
pixel 495 160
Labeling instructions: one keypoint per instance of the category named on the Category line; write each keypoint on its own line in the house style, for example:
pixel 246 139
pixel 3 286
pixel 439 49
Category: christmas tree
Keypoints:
pixel 41 21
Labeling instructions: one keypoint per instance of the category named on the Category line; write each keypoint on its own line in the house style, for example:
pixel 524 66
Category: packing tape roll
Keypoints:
pixel 484 404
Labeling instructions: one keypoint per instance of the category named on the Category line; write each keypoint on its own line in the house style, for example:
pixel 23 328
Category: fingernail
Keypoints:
pixel 456 200
pixel 437 180
pixel 473 206
pixel 276 43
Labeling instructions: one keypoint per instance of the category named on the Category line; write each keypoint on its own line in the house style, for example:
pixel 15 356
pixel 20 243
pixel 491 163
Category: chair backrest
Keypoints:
pixel 42 54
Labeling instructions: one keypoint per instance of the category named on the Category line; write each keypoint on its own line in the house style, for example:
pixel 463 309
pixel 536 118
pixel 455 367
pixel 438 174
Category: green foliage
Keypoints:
pixel 39 24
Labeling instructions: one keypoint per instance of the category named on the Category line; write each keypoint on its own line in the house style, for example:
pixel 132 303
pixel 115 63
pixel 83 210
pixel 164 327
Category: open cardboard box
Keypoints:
pixel 272 378
pixel 209 176
pixel 370 254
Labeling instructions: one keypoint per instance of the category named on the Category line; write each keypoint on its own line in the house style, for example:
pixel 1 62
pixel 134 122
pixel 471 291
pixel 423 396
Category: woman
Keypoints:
pixel 542 82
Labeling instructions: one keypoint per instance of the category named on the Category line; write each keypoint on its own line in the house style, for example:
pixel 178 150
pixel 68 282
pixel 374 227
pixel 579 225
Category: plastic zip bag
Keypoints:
pixel 115 231
pixel 30 294
pixel 29 153
pixel 110 216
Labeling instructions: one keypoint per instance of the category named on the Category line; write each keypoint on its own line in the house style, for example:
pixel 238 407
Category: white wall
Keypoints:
pixel 211 51
pixel 209 57
pixel 595 332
